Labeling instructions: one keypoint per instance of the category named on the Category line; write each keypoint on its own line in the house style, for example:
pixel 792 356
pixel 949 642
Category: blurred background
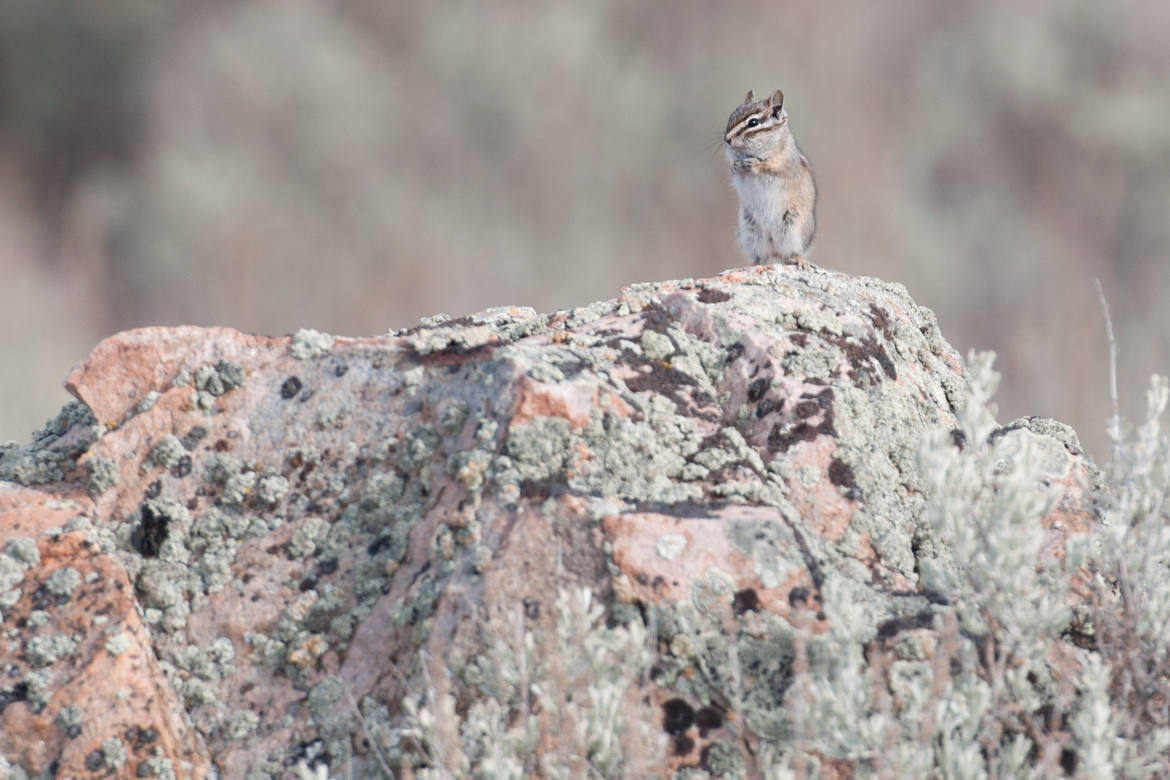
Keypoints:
pixel 352 166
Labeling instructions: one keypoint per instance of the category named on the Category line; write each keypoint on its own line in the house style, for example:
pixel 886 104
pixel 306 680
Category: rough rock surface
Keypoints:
pixel 237 537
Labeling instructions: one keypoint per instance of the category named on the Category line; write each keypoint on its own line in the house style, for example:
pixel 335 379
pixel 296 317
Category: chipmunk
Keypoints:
pixel 777 194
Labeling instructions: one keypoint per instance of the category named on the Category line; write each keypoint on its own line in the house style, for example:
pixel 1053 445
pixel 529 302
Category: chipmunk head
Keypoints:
pixel 757 128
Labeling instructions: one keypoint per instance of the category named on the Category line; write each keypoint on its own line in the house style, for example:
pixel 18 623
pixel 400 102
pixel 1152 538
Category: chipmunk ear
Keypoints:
pixel 751 95
pixel 776 102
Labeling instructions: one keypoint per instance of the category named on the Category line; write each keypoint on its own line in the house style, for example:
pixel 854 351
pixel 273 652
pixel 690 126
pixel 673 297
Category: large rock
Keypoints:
pixel 239 540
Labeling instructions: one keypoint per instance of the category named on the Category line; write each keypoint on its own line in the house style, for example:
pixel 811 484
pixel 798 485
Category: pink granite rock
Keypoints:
pixel 265 532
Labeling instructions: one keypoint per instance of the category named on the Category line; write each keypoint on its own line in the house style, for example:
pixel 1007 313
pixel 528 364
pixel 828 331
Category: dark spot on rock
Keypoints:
pixel 139 738
pixel 959 439
pixel 94 760
pixel 659 378
pixel 711 295
pixel 715 441
pixel 531 609
pixel 799 339
pixel 881 320
pixel 642 578
pixel 183 467
pixel 735 351
pixel 148 538
pixel 327 567
pixel 378 545
pixel 682 744
pixel 655 672
pixel 757 389
pixel 307 584
pixel 806 409
pixel 74 731
pixel 290 387
pixel 340 370
pixel 889 628
pixel 1068 761
pixel 153 489
pixel 535 490
pixel 841 475
pixel 571 368
pixel 18 692
pixel 862 354
pixel 779 441
pixel 798 595
pixel 222 445
pixel 708 719
pixel 677 716
pixel 42 599
pixel 193 437
pixel 769 405
pixel 746 600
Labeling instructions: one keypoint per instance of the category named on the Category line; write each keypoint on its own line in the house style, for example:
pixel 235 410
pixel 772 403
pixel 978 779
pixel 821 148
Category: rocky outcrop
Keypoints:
pixel 233 545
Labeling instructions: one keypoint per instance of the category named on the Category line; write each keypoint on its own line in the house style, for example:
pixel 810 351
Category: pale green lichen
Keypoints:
pixel 159 765
pixel 238 487
pixel 537 450
pixel 656 346
pixel 148 401
pixel 220 467
pixel 167 452
pixel 670 546
pixel 221 378
pixel 103 474
pixel 39 684
pixel 47 649
pixel 114 752
pixel 311 532
pixel 63 581
pixel 241 725
pixel 308 344
pixel 61 441
pixel 23 550
pixel 638 460
pixel 323 696
pixel 69 719
pixel 118 643
pixel 270 489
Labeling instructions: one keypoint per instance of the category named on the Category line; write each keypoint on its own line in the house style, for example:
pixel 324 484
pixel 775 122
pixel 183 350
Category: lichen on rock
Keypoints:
pixel 298 536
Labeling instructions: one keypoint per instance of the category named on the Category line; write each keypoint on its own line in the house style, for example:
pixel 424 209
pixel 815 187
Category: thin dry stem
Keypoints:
pixel 1113 425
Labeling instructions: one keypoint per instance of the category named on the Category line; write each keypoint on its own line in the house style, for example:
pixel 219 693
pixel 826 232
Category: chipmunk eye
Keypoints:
pixel 753 122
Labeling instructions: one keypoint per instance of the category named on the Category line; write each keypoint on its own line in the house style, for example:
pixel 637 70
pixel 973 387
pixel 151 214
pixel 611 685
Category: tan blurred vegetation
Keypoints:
pixel 351 166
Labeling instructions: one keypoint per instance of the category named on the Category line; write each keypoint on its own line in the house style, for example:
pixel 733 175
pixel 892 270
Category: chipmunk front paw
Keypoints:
pixel 745 164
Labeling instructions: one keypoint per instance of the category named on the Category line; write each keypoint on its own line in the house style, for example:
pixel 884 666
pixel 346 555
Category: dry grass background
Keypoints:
pixel 351 166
